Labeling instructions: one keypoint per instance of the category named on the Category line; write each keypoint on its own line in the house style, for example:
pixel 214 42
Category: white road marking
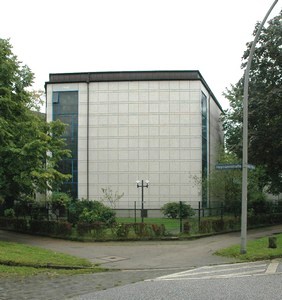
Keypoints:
pixel 223 271
pixel 272 267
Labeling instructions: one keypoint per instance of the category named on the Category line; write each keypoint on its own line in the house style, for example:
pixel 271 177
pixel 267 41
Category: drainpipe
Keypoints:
pixel 87 139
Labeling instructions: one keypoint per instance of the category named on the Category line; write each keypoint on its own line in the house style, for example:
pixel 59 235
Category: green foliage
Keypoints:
pixel 96 229
pixel 140 230
pixel 15 224
pixel 30 148
pixel 186 227
pixel 260 206
pixel 9 213
pixel 176 210
pixel 159 230
pixel 225 186
pixel 265 117
pixel 87 211
pixel 209 225
pixel 59 203
pixel 23 206
pixel 60 228
pixel 122 230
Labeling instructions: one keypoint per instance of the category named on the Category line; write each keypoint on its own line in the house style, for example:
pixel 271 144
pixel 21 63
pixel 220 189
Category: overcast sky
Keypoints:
pixel 59 36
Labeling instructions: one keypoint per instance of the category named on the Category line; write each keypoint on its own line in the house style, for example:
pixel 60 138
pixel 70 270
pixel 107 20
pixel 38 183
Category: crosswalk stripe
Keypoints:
pixel 198 271
pixel 272 267
pixel 230 275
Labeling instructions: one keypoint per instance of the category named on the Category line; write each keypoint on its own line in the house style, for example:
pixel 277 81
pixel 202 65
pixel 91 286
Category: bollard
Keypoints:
pixel 272 242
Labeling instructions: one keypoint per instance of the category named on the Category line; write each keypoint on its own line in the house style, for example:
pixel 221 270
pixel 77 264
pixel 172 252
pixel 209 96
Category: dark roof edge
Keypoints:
pixel 130 76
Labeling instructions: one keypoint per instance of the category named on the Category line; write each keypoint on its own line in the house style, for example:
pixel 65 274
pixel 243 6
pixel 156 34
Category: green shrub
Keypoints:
pixel 186 227
pixel 260 206
pixel 205 226
pixel 231 223
pixel 122 230
pixel 87 211
pixel 20 224
pixel 59 202
pixel 176 210
pixel 9 213
pixel 94 228
pixel 97 212
pixel 217 225
pixel 42 226
pixel 83 228
pixel 159 230
pixel 63 228
pixel 143 230
pixel 23 206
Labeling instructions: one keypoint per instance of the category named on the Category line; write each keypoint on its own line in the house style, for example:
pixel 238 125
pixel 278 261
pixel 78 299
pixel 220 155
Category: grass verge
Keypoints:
pixel 256 250
pixel 20 259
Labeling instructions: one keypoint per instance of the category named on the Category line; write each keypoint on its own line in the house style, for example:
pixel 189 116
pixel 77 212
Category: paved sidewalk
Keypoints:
pixel 137 260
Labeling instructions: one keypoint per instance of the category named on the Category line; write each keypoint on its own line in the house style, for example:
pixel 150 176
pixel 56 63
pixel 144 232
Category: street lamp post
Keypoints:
pixel 243 249
pixel 142 184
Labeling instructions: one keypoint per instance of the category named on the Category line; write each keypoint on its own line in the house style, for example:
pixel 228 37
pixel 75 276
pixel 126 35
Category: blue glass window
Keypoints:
pixel 204 148
pixel 65 109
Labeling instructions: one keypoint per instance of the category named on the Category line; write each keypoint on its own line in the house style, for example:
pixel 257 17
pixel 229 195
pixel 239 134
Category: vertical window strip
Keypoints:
pixel 65 108
pixel 204 149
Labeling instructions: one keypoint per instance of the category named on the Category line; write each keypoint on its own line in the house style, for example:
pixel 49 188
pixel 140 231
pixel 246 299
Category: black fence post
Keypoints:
pixel 135 212
pixel 221 211
pixel 180 216
pixel 199 215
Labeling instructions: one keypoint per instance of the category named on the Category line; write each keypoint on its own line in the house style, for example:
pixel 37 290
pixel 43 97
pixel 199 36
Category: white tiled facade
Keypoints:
pixel 142 130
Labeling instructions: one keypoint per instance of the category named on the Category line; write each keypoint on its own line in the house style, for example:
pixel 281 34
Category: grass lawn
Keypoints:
pixel 256 250
pixel 20 259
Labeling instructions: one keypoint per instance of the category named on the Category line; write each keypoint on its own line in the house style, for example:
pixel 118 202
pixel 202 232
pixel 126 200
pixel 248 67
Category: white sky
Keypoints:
pixel 59 36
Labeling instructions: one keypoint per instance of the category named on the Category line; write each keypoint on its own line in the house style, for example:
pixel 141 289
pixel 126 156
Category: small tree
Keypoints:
pixel 111 198
pixel 176 210
pixel 225 186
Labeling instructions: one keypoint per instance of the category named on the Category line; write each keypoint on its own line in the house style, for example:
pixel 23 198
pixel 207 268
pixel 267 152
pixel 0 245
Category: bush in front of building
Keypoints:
pixel 97 212
pixel 88 211
pixel 176 210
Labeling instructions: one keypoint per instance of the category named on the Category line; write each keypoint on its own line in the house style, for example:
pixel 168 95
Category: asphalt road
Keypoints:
pixel 252 281
pixel 251 288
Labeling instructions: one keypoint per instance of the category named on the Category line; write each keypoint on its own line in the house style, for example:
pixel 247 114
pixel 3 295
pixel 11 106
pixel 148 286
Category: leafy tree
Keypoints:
pixel 176 210
pixel 265 106
pixel 225 186
pixel 30 148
